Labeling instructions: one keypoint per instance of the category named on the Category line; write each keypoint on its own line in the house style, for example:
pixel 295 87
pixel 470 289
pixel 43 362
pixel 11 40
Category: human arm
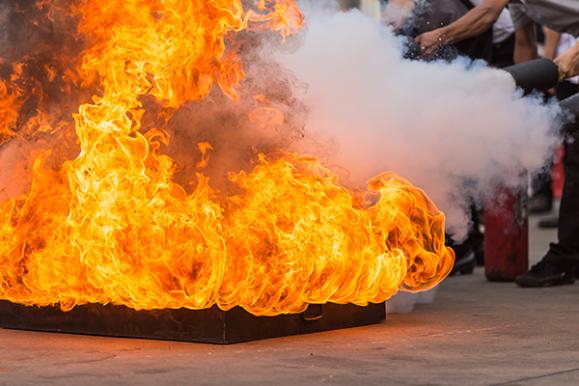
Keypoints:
pixel 552 39
pixel 473 23
pixel 568 62
pixel 525 43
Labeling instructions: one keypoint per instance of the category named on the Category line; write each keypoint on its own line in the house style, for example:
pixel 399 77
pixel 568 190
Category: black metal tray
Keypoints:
pixel 208 326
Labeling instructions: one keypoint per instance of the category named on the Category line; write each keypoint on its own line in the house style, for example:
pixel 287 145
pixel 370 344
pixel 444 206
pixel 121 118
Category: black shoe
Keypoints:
pixel 540 203
pixel 465 259
pixel 549 223
pixel 545 274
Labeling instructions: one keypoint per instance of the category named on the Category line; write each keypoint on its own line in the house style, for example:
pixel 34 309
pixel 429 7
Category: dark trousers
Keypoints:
pixel 541 184
pixel 503 53
pixel 566 250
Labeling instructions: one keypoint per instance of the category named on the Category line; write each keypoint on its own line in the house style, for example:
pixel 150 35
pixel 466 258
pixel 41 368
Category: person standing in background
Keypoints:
pixel 412 18
pixel 561 262
pixel 562 258
pixel 559 15
pixel 541 201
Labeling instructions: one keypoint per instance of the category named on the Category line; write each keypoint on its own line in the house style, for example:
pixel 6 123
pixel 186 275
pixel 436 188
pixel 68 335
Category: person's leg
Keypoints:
pixel 568 232
pixel 541 200
pixel 503 53
pixel 558 265
pixel 564 90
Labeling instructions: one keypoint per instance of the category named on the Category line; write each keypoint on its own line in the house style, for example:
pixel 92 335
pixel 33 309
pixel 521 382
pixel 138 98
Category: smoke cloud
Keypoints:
pixel 346 94
pixel 451 128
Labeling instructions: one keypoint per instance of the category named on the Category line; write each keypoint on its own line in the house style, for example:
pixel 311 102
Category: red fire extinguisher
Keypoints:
pixel 506 237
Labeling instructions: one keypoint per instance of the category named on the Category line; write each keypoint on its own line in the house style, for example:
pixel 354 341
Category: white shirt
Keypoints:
pixel 371 8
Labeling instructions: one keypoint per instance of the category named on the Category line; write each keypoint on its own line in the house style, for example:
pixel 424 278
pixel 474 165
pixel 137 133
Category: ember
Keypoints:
pixel 112 225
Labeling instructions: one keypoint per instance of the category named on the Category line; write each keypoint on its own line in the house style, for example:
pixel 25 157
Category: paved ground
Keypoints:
pixel 474 333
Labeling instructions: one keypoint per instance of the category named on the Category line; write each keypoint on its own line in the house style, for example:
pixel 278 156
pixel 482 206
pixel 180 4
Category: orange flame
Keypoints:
pixel 111 226
pixel 9 106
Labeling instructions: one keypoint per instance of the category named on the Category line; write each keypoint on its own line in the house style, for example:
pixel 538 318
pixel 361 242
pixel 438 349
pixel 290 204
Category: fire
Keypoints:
pixel 8 112
pixel 113 226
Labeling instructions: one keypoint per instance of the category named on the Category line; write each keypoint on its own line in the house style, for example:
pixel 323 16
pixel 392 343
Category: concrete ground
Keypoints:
pixel 474 333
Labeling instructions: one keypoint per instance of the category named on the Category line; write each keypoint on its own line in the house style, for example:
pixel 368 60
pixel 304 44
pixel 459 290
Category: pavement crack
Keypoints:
pixel 87 361
pixel 475 330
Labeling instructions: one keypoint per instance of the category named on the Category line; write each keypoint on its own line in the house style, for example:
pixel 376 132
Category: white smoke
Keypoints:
pixel 449 128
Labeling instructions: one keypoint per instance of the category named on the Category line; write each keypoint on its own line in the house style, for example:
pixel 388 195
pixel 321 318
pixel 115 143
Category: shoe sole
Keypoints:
pixel 562 281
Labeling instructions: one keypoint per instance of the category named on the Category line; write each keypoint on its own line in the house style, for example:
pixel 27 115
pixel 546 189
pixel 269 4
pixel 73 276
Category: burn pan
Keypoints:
pixel 205 326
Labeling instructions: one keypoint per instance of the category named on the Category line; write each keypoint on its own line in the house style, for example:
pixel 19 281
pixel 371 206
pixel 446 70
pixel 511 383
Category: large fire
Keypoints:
pixel 112 225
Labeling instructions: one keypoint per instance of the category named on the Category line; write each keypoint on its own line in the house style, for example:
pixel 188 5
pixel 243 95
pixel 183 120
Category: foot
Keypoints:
pixel 465 259
pixel 545 274
pixel 541 203
pixel 549 223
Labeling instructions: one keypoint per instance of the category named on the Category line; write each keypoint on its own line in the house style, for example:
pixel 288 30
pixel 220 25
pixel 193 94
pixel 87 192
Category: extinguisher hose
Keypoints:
pixel 534 75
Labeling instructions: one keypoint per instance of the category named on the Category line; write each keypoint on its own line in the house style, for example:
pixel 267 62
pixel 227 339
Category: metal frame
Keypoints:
pixel 208 326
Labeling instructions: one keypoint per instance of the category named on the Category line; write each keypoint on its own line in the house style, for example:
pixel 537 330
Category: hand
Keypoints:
pixel 568 62
pixel 430 41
